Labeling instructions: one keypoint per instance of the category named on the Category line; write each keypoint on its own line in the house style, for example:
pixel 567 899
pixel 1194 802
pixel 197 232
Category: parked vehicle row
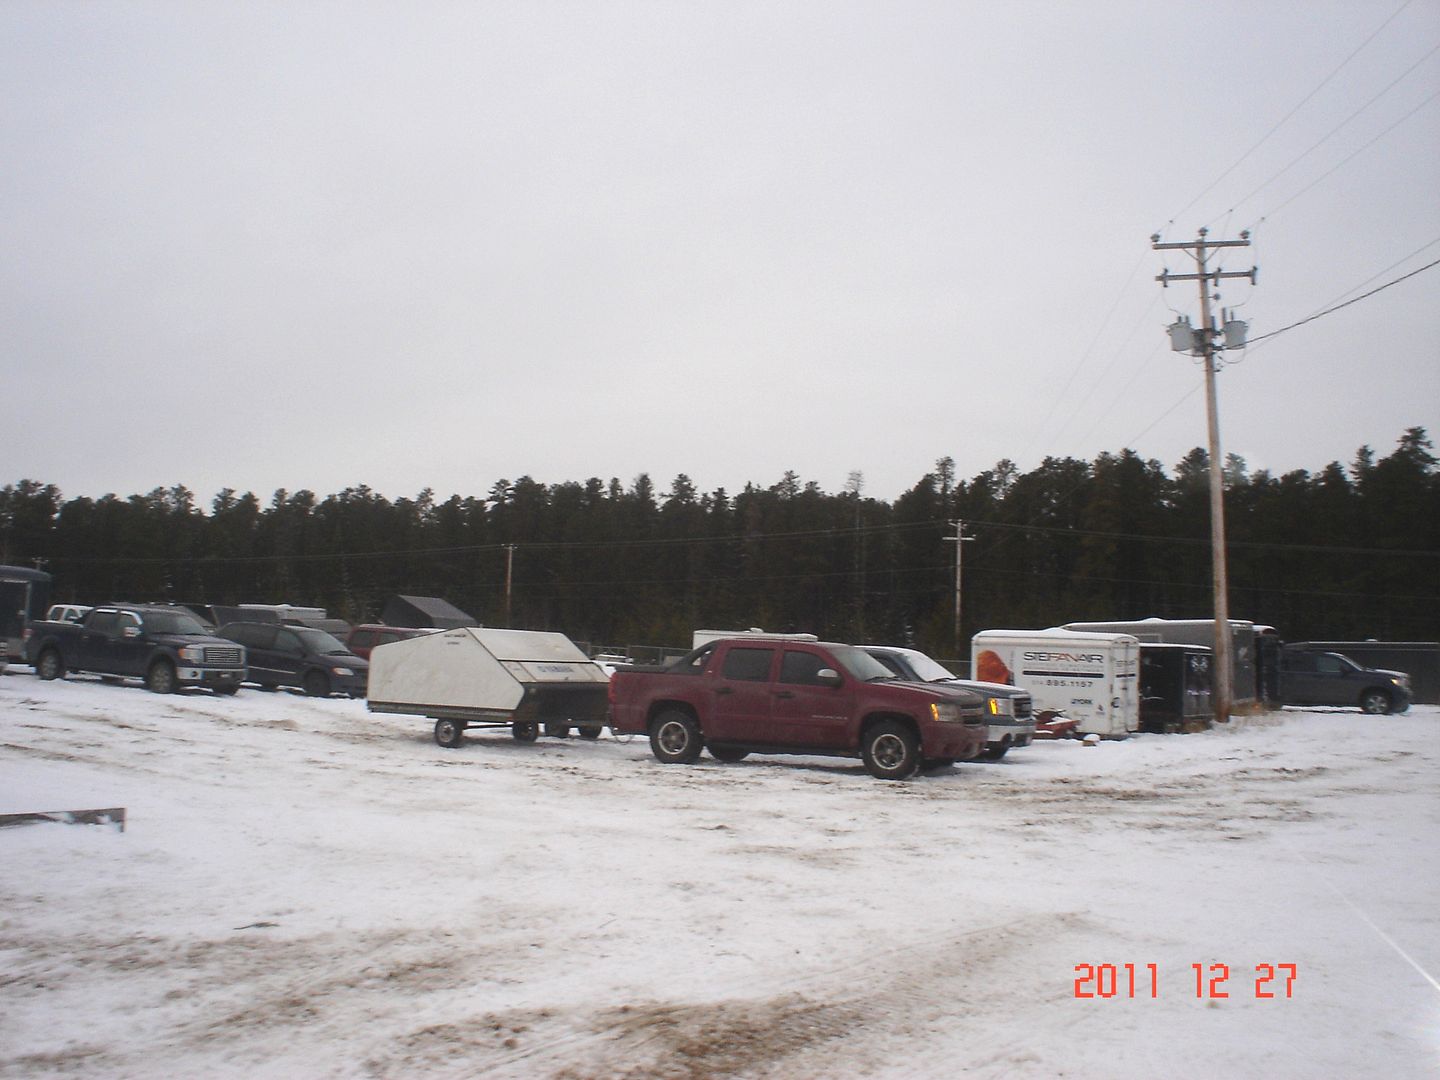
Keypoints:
pixel 735 694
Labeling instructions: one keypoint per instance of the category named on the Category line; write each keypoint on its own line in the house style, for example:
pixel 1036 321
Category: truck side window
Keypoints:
pixel 127 620
pixel 105 622
pixel 748 665
pixel 891 664
pixel 800 668
pixel 287 642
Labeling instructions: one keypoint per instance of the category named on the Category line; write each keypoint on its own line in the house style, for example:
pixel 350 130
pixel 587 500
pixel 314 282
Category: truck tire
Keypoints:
pixel 449 733
pixel 728 753
pixel 525 730
pixel 590 731
pixel 557 730
pixel 49 665
pixel 160 679
pixel 675 738
pixel 317 684
pixel 890 751
pixel 1375 702
pixel 995 753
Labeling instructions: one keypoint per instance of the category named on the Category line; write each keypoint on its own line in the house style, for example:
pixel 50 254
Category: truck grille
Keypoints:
pixel 224 656
pixel 1022 708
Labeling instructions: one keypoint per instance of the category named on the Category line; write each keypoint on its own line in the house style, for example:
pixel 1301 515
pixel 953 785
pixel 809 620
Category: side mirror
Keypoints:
pixel 828 677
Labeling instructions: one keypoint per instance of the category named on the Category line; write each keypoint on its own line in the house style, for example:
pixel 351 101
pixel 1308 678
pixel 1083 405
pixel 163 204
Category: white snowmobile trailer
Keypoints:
pixel 483 677
pixel 1091 678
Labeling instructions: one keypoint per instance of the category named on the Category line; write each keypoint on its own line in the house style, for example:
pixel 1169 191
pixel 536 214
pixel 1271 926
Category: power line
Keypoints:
pixel 1398 79
pixel 1347 303
pixel 1285 119
pixel 1347 159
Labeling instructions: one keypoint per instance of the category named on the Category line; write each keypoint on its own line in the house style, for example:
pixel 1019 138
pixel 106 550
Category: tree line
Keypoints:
pixel 1341 553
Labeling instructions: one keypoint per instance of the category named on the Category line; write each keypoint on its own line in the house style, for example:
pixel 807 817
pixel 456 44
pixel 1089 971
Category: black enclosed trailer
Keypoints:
pixel 1174 687
pixel 24 598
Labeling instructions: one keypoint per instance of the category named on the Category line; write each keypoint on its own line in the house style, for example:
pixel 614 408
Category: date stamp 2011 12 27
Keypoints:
pixel 1212 981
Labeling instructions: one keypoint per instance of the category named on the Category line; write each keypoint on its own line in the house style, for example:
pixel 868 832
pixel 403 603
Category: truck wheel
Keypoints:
pixel 227 691
pixel 890 751
pixel 160 679
pixel 995 753
pixel 590 731
pixel 49 665
pixel 1375 702
pixel 449 733
pixel 675 738
pixel 525 730
pixel 728 753
pixel 557 731
pixel 316 684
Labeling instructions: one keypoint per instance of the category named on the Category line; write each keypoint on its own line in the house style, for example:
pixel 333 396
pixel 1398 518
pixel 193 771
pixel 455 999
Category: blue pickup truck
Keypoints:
pixel 168 648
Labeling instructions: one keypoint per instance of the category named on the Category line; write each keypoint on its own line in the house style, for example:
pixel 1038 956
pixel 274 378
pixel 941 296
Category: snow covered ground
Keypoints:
pixel 305 889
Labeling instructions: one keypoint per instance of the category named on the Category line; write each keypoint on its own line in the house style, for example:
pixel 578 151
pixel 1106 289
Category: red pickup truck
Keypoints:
pixel 738 696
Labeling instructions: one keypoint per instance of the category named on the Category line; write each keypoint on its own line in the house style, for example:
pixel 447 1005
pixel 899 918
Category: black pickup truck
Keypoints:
pixel 166 647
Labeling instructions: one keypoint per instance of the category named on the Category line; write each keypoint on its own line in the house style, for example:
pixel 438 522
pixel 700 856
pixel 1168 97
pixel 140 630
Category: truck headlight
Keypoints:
pixel 194 653
pixel 1000 706
pixel 341 671
pixel 945 713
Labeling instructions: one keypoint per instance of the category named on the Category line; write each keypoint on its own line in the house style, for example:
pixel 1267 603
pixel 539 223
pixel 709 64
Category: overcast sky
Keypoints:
pixel 310 245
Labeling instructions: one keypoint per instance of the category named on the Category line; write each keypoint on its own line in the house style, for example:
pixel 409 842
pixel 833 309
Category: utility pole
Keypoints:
pixel 959 540
pixel 509 574
pixel 1203 343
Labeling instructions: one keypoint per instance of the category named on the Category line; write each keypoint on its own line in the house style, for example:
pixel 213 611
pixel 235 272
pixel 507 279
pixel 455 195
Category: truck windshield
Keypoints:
pixel 859 663
pixel 928 670
pixel 172 622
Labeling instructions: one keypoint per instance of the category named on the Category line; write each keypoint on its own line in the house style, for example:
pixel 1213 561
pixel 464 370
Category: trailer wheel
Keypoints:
pixel 449 733
pixel 525 730
pixel 590 731
pixel 49 665
pixel 557 731
pixel 675 738
pixel 890 751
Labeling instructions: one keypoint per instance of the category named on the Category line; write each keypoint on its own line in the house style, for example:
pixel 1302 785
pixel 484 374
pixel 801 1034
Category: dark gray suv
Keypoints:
pixel 283 655
pixel 1328 678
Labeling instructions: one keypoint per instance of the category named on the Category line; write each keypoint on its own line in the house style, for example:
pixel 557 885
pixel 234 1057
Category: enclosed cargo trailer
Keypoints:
pixel 1246 678
pixel 483 677
pixel 1090 678
pixel 1174 687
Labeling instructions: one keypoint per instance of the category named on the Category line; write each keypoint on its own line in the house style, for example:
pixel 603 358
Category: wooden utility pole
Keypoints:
pixel 959 540
pixel 509 574
pixel 1203 344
